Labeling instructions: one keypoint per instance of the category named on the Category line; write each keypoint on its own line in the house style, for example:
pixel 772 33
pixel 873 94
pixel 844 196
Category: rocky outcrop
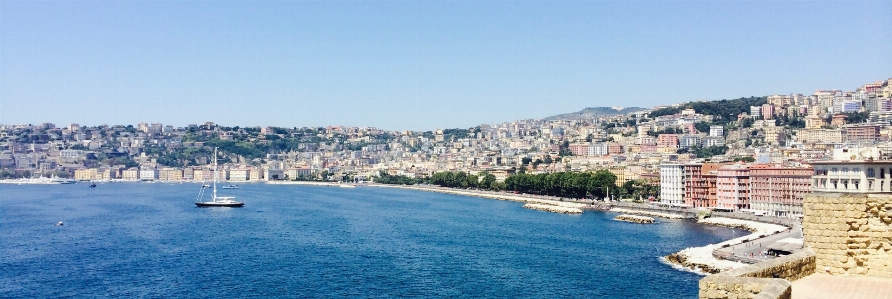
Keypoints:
pixel 635 219
pixel 681 259
pixel 647 213
pixel 553 209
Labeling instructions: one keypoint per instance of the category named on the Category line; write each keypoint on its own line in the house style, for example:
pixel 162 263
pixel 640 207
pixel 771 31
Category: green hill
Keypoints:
pixel 594 112
pixel 724 110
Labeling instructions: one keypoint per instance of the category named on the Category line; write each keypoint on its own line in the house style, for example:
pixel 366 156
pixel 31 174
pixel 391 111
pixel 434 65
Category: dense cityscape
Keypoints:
pixel 753 154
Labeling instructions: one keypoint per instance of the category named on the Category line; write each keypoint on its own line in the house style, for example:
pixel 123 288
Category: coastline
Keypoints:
pixel 529 199
pixel 305 183
pixel 698 260
pixel 701 260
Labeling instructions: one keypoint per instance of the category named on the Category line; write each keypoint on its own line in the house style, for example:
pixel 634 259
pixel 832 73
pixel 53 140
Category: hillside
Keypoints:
pixel 593 112
pixel 724 110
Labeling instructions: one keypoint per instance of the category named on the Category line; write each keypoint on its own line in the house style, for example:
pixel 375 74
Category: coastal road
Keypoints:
pixel 750 252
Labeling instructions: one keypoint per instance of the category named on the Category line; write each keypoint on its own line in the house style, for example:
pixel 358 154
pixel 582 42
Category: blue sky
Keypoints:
pixel 418 65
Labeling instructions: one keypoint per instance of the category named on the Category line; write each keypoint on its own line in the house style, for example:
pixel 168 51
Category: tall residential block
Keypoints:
pixel 672 183
pixel 732 187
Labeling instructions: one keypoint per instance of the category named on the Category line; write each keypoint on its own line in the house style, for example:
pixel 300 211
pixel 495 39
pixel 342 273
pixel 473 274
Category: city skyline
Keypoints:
pixel 417 65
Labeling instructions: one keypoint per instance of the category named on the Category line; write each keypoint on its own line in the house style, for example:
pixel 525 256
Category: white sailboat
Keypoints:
pixel 217 201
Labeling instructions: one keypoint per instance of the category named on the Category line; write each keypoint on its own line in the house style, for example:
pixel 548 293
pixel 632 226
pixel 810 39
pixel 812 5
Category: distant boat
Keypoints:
pixel 205 186
pixel 64 181
pixel 230 187
pixel 346 186
pixel 59 223
pixel 92 185
pixel 217 201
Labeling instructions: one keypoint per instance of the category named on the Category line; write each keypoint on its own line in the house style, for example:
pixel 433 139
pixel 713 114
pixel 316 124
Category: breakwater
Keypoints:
pixel 635 219
pixel 647 213
pixel 552 208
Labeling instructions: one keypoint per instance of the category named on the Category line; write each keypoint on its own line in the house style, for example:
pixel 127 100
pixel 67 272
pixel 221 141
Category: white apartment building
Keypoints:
pixel 716 131
pixel 853 176
pixel 148 174
pixel 597 150
pixel 672 183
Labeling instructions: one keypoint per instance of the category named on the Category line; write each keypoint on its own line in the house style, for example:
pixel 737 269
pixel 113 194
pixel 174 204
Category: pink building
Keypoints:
pixel 614 148
pixel 732 187
pixel 779 190
pixel 767 111
pixel 700 184
pixel 669 140
pixel 579 149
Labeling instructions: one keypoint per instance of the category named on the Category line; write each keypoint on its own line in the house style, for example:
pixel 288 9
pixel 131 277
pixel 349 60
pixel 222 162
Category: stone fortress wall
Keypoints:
pixel 765 280
pixel 846 233
pixel 851 234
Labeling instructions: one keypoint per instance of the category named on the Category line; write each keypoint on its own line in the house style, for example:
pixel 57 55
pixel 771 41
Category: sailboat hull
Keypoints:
pixel 220 204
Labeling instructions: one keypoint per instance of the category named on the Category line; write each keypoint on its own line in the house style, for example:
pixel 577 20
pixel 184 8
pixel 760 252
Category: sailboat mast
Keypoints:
pixel 215 174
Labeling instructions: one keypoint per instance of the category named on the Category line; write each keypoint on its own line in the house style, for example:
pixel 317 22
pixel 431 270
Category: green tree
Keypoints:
pixel 601 181
pixel 745 159
pixel 487 180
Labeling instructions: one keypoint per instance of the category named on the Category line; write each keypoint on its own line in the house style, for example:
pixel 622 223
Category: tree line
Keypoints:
pixel 559 184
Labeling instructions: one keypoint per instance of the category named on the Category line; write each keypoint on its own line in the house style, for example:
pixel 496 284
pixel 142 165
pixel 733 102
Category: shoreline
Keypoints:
pixel 701 260
pixel 528 199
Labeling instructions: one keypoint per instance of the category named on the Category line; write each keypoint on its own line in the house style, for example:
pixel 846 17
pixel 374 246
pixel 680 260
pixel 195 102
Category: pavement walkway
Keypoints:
pixel 820 286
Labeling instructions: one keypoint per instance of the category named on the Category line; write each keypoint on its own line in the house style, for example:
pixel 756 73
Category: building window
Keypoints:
pixel 871 173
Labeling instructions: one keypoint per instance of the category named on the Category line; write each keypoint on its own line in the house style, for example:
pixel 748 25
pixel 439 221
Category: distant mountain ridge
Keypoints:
pixel 594 111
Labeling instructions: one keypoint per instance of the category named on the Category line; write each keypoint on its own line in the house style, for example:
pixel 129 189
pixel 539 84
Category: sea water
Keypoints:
pixel 149 240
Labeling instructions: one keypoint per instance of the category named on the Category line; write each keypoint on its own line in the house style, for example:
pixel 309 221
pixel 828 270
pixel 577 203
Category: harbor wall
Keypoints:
pixel 684 213
pixel 765 280
pixel 851 234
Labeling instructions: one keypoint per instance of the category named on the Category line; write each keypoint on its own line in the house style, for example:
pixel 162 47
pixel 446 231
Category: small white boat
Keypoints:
pixel 230 187
pixel 346 186
pixel 59 223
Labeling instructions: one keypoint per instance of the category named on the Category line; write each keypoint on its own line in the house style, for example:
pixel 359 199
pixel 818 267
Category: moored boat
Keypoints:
pixel 217 201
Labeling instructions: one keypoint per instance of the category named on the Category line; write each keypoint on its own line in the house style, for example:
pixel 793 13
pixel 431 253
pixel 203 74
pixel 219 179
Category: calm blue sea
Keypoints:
pixel 141 240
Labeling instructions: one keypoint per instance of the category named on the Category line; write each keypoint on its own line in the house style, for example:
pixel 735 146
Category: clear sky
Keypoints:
pixel 418 65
